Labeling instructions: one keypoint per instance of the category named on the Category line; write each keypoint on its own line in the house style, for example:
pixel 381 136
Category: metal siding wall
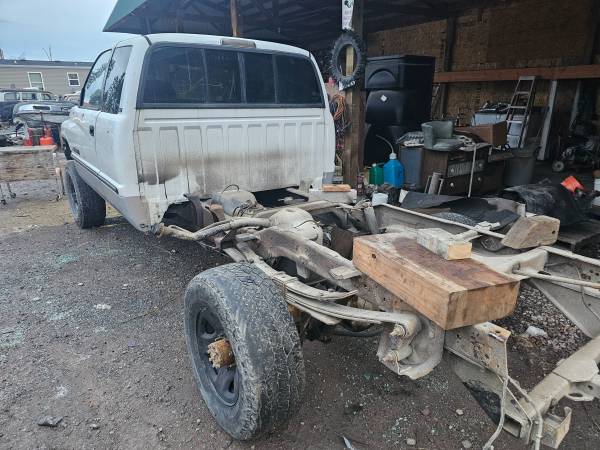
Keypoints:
pixel 55 78
pixel 13 75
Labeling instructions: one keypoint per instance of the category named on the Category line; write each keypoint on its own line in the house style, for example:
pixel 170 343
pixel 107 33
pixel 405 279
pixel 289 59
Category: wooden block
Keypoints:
pixel 337 188
pixel 447 245
pixel 453 294
pixel 529 232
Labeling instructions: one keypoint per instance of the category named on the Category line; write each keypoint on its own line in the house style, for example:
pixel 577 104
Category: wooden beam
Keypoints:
pixel 352 156
pixel 447 62
pixel 581 72
pixel 453 294
pixel 543 154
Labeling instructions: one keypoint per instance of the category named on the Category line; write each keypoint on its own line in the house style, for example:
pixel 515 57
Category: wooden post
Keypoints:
pixel 447 63
pixel 543 154
pixel 233 10
pixel 352 156
pixel 588 52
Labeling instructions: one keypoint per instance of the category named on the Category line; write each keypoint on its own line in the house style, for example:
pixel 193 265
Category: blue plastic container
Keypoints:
pixel 393 172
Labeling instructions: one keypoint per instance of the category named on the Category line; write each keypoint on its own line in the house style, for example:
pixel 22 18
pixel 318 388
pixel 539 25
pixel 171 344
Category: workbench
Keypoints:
pixel 21 163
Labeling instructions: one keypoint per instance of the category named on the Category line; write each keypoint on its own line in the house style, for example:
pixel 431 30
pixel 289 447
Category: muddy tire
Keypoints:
pixel 263 388
pixel 87 207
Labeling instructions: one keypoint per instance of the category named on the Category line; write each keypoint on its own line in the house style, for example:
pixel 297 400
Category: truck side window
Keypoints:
pixel 114 80
pixel 260 78
pixel 175 75
pixel 223 76
pixel 92 91
pixel 10 96
pixel 297 81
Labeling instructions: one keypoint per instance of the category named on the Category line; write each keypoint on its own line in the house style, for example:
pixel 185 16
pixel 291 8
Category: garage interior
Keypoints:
pixel 520 76
pixel 480 52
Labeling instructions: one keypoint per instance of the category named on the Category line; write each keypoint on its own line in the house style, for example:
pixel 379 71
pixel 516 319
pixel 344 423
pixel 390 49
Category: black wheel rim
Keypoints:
pixel 72 196
pixel 225 380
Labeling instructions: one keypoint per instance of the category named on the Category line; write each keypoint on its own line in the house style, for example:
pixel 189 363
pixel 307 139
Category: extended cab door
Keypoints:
pixel 114 137
pixel 83 135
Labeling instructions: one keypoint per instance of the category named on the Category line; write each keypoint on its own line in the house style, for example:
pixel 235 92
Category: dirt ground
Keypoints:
pixel 91 332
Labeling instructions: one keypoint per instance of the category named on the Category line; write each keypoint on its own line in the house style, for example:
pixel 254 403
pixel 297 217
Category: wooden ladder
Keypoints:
pixel 520 106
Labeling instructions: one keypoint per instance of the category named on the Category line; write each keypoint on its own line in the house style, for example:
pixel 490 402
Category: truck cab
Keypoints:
pixel 168 117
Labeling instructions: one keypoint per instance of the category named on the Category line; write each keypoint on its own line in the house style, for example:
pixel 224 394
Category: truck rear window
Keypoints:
pixel 183 76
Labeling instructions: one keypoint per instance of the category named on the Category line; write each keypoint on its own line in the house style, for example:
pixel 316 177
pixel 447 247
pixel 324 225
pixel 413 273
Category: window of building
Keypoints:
pixel 114 80
pixel 36 80
pixel 73 79
pixel 92 91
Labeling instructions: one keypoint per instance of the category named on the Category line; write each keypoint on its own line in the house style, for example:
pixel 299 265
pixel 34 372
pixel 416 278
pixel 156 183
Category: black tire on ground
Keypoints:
pixel 87 207
pixel 263 389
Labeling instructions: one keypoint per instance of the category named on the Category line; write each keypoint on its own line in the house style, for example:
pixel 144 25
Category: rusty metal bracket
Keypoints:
pixel 528 415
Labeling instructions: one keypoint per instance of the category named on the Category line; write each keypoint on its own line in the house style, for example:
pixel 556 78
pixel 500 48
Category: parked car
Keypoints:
pixel 42 115
pixel 10 97
pixel 23 95
pixel 75 97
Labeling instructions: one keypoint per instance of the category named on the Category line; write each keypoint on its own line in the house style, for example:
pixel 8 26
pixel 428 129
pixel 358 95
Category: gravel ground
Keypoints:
pixel 91 333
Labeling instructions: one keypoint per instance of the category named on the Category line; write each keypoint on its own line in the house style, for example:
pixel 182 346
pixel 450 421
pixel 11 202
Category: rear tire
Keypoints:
pixel 263 387
pixel 87 207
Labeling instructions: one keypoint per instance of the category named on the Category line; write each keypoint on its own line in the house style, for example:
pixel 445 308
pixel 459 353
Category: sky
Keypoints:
pixel 73 28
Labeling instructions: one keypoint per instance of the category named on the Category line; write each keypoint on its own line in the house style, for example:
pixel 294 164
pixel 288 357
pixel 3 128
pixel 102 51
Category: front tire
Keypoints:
pixel 87 207
pixel 263 388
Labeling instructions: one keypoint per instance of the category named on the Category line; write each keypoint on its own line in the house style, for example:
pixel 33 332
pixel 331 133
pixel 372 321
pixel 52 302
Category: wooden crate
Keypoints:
pixel 453 294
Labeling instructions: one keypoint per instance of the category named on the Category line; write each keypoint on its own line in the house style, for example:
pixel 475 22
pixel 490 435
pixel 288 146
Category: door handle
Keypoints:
pixel 92 130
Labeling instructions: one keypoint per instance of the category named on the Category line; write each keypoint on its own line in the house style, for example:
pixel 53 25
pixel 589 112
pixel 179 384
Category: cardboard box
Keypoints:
pixel 494 133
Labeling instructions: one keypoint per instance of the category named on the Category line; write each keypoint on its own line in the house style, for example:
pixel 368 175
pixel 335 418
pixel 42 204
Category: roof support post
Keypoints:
pixel 235 22
pixel 353 156
pixel 447 62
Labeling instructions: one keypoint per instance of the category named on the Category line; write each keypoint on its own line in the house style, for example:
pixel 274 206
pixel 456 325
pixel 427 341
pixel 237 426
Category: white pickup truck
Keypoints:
pixel 169 116
pixel 215 139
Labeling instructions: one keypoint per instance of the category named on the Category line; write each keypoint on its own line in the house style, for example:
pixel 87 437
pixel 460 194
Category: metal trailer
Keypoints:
pixel 290 249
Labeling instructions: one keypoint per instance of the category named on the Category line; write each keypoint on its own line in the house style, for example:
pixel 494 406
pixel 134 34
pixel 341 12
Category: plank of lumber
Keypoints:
pixel 534 231
pixel 27 150
pixel 20 163
pixel 453 294
pixel 549 73
pixel 447 245
pixel 337 188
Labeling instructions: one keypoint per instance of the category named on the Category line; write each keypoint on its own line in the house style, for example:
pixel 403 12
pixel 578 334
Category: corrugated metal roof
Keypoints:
pixel 32 62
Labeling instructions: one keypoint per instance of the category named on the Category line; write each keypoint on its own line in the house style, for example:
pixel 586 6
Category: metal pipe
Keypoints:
pixel 211 230
pixel 556 279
